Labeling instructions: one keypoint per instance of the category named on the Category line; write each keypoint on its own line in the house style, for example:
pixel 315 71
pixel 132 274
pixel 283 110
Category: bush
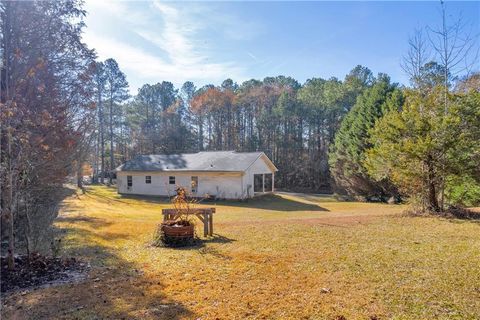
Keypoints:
pixel 463 191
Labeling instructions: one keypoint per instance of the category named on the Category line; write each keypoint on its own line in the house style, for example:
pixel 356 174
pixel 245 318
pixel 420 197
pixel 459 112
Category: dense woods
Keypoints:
pixel 293 124
pixel 364 136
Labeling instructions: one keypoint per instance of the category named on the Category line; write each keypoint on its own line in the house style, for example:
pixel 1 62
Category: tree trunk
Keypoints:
pixel 102 139
pixel 111 142
pixel 9 204
pixel 432 190
pixel 200 132
pixel 79 175
pixel 95 161
pixel 6 156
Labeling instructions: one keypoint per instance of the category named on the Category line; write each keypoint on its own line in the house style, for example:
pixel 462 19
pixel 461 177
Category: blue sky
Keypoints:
pixel 207 42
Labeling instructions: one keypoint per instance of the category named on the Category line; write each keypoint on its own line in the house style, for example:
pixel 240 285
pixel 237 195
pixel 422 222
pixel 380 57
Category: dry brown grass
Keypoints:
pixel 282 257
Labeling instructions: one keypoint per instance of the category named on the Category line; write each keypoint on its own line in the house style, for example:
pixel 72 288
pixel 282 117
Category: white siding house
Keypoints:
pixel 223 174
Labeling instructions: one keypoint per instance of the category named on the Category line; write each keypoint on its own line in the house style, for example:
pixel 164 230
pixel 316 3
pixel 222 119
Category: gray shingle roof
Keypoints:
pixel 201 161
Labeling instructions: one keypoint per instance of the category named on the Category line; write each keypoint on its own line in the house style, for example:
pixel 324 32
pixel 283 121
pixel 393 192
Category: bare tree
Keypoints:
pixel 454 47
pixel 418 55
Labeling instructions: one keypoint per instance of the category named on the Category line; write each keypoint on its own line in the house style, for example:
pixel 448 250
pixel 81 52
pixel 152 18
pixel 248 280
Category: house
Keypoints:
pixel 223 174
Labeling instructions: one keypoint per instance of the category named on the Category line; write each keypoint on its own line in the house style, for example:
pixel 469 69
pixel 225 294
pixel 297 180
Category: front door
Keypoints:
pixel 194 185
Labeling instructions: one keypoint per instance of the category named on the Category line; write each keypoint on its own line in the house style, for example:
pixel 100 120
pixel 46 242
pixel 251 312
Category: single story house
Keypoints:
pixel 222 174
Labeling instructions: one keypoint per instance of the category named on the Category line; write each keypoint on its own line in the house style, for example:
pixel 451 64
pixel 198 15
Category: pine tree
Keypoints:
pixel 352 140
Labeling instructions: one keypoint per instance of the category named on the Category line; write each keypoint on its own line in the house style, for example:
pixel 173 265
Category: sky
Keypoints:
pixel 208 42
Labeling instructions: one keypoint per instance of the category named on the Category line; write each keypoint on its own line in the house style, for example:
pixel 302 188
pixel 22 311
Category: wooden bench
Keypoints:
pixel 205 215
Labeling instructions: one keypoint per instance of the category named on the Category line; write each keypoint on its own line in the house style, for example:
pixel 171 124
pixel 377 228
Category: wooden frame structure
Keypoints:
pixel 204 215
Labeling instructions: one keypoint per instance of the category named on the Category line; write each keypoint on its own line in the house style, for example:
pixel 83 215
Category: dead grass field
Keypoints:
pixel 282 257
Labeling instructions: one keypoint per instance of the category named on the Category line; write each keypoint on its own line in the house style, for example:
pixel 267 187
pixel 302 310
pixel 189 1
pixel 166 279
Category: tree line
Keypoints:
pixel 293 124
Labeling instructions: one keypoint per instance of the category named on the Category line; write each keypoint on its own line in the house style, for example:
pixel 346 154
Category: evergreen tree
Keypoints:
pixel 417 146
pixel 352 139
pixel 116 87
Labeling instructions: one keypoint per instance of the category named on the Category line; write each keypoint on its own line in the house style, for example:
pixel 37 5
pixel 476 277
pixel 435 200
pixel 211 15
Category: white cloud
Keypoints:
pixel 172 49
pixel 151 68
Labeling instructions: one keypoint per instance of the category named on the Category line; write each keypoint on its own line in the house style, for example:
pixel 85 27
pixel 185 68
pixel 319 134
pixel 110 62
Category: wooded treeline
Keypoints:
pixel 293 124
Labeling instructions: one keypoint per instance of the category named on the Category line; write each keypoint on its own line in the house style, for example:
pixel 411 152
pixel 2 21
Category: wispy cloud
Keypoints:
pixel 157 41
pixel 251 55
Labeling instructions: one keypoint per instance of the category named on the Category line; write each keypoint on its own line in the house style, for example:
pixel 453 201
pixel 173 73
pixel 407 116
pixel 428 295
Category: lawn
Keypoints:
pixel 280 257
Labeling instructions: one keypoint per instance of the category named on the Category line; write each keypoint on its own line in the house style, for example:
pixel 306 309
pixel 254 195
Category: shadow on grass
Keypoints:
pixel 91 221
pixel 464 215
pixel 200 245
pixel 202 242
pixel 273 202
pixel 114 289
pixel 267 202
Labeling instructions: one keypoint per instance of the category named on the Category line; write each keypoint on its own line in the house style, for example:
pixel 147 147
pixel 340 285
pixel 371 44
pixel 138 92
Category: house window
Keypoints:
pixel 194 184
pixel 129 181
pixel 171 180
pixel 148 179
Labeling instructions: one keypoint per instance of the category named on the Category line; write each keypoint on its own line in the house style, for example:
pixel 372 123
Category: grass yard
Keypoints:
pixel 281 257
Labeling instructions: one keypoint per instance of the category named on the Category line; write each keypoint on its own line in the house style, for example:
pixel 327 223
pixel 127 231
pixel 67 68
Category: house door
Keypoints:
pixel 194 184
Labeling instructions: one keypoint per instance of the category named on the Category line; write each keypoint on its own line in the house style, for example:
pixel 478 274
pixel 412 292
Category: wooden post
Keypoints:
pixel 205 224
pixel 263 182
pixel 210 223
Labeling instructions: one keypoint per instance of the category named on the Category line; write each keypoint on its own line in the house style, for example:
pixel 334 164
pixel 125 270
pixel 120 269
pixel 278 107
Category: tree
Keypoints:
pixel 187 92
pixel 116 87
pixel 418 55
pixel 417 146
pixel 46 105
pixel 347 154
pixel 100 83
pixel 356 81
pixel 453 45
pixel 469 83
pixel 325 102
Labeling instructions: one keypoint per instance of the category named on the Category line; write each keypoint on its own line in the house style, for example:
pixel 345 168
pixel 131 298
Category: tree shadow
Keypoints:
pixel 463 215
pixel 91 221
pixel 273 202
pixel 146 198
pixel 200 245
pixel 266 202
pixel 114 288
